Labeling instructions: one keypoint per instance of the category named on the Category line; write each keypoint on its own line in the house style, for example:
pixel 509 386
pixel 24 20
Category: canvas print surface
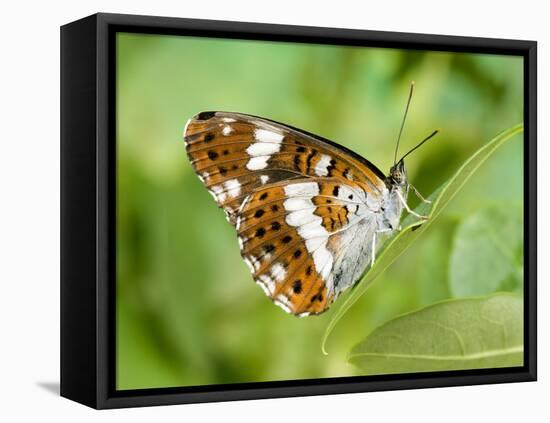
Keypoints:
pixel 269 228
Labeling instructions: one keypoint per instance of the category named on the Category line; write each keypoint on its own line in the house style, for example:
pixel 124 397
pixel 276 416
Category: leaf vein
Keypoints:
pixel 471 356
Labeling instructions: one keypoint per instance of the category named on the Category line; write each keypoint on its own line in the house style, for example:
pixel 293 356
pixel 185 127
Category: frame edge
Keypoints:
pixel 102 396
pixel 78 212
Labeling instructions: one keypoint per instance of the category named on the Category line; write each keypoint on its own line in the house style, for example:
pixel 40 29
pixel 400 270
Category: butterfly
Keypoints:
pixel 308 212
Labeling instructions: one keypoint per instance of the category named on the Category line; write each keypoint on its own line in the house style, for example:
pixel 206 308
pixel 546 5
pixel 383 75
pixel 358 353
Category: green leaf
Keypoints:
pixel 472 333
pixel 412 228
pixel 432 264
pixel 487 253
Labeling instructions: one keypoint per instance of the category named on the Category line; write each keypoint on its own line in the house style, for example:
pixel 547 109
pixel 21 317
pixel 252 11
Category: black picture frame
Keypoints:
pixel 87 210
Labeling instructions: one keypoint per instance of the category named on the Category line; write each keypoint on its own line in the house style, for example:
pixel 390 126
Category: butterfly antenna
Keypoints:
pixel 403 122
pixel 420 143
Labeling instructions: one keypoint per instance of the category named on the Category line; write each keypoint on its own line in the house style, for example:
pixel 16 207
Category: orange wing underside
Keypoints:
pixel 246 163
pixel 217 149
pixel 277 255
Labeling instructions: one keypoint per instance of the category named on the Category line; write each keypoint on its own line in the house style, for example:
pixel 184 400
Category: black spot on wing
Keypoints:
pixel 317 297
pixel 205 115
pixel 331 167
pixel 297 162
pixel 346 173
pixel 309 159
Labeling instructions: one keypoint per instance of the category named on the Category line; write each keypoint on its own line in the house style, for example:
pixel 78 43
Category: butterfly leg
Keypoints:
pixel 409 209
pixel 420 195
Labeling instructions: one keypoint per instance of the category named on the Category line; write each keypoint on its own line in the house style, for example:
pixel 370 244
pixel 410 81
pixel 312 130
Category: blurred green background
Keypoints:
pixel 188 312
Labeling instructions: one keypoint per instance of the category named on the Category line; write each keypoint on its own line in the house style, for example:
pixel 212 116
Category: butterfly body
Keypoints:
pixel 309 213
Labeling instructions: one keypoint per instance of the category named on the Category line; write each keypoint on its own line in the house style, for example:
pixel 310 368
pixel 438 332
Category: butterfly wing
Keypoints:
pixel 304 207
pixel 305 241
pixel 233 154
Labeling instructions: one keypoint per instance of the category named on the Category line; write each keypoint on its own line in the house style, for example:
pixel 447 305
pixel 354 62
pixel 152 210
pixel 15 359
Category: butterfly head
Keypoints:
pixel 398 174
